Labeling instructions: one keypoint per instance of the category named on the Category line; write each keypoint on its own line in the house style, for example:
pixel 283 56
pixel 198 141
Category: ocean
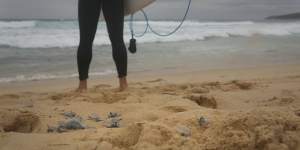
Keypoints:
pixel 39 50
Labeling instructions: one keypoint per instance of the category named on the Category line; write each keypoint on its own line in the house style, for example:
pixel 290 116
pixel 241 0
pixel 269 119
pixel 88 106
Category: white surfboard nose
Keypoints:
pixel 132 6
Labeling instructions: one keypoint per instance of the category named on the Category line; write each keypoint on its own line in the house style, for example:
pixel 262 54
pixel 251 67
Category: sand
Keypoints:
pixel 245 108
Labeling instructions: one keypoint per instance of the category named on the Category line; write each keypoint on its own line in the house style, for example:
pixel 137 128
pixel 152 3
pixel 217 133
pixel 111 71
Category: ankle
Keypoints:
pixel 82 84
pixel 123 83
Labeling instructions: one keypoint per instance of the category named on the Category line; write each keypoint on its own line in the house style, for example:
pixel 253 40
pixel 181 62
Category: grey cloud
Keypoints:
pixel 162 9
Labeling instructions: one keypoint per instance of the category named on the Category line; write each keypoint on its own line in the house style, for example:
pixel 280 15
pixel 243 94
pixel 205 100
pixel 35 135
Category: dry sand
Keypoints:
pixel 249 108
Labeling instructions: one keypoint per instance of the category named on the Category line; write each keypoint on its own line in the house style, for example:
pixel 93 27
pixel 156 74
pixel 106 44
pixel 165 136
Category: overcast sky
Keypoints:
pixel 162 9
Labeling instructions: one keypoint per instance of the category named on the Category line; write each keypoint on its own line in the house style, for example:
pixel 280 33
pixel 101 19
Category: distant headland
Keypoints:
pixel 292 16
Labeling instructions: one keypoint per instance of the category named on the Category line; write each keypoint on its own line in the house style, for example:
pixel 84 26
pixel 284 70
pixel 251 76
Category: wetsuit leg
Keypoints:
pixel 113 11
pixel 88 16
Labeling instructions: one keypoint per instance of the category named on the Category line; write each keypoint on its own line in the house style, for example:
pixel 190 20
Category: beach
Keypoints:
pixel 231 86
pixel 246 108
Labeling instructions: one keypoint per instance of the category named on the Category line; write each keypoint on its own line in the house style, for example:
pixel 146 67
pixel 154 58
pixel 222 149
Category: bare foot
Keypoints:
pixel 82 86
pixel 123 84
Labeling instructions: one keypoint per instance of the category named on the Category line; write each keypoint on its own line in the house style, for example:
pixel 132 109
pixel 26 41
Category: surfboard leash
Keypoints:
pixel 132 46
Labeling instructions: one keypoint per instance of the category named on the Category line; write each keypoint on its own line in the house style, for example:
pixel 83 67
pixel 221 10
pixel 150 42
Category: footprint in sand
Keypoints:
pixel 174 109
pixel 210 85
pixel 297 113
pixel 286 100
pixel 294 77
pixel 243 85
pixel 203 100
pixel 105 95
pixel 288 93
pixel 229 86
pixel 101 86
pixel 199 90
pixel 120 139
pixel 14 121
pixel 173 88
pixel 278 101
pixel 9 96
pixel 60 96
pixel 156 80
pixel 113 97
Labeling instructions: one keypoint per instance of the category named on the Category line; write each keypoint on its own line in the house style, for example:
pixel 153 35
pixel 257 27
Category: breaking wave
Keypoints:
pixel 48 34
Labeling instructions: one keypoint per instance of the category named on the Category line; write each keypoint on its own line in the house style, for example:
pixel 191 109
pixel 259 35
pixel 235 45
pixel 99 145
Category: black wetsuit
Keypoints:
pixel 88 16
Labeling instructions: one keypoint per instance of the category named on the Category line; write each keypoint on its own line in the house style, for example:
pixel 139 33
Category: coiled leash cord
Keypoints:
pixel 132 45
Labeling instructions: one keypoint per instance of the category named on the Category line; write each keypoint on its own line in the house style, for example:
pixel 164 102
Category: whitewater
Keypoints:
pixel 61 34
pixel 42 50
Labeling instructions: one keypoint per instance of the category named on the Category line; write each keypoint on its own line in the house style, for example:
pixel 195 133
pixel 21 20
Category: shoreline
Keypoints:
pixel 174 75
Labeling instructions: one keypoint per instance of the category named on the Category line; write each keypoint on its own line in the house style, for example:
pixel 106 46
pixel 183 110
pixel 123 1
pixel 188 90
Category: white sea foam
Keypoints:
pixel 17 24
pixel 38 77
pixel 43 34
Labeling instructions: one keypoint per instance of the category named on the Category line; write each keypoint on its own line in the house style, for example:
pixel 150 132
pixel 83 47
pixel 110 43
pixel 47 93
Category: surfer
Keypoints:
pixel 88 16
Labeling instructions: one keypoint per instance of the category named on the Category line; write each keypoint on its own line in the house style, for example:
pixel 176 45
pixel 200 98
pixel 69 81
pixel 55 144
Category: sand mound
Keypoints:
pixel 255 129
pixel 15 121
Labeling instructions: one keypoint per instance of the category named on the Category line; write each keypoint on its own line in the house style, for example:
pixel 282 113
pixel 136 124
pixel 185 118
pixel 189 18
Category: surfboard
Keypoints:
pixel 132 6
